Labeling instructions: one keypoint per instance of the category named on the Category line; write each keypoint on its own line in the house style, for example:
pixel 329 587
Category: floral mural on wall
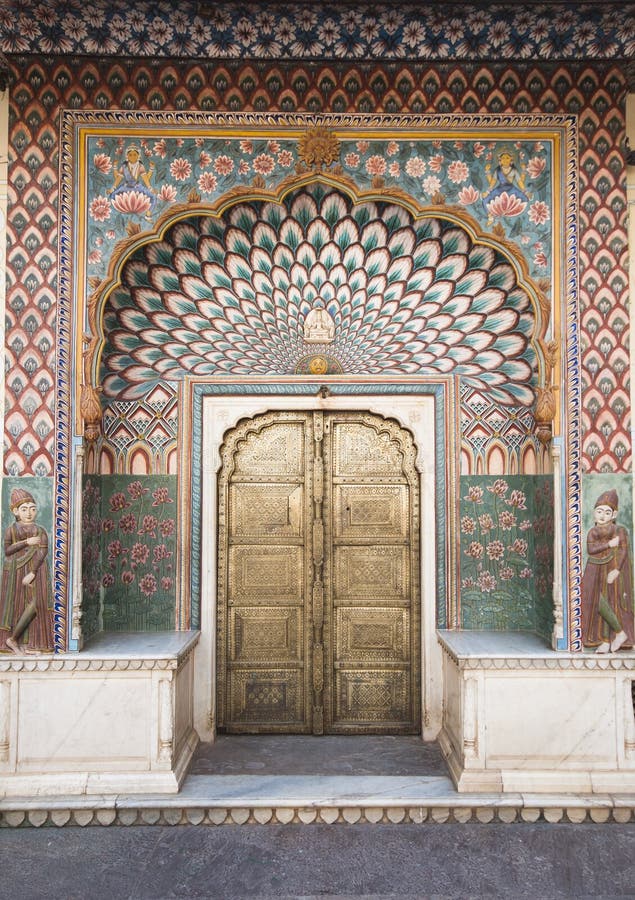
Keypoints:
pixel 129 547
pixel 500 183
pixel 506 553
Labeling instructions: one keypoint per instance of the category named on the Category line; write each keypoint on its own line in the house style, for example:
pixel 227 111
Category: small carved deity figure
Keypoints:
pixel 607 588
pixel 26 604
pixel 132 175
pixel 319 327
pixel 507 178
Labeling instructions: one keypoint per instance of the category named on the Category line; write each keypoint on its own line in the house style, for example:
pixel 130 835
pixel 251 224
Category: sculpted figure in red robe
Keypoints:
pixel 26 614
pixel 607 585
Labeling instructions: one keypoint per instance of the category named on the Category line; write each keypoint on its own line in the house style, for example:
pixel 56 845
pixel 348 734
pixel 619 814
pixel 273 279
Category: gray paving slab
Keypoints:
pixel 521 862
pixel 325 755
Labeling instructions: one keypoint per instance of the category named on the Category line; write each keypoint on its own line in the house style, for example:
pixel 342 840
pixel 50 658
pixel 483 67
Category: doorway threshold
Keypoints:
pixel 326 755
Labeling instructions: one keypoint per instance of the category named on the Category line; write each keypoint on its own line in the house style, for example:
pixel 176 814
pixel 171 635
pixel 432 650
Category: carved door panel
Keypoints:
pixel 318 614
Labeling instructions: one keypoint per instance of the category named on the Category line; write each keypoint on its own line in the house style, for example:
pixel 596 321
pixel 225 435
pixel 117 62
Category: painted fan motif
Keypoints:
pixel 231 296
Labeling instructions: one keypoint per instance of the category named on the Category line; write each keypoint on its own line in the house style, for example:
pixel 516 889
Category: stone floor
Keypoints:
pixel 326 755
pixel 293 780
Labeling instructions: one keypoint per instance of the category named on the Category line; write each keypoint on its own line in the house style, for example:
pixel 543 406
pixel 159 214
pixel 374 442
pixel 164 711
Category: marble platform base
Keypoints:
pixel 519 717
pixel 279 799
pixel 115 718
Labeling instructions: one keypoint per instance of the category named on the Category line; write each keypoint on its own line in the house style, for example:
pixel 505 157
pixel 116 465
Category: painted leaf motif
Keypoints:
pixel 232 294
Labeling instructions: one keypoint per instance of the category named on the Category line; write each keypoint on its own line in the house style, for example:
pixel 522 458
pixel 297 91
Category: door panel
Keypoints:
pixel 318 607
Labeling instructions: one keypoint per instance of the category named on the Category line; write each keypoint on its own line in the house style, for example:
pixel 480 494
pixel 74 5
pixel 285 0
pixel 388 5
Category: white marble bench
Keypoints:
pixel 518 716
pixel 114 717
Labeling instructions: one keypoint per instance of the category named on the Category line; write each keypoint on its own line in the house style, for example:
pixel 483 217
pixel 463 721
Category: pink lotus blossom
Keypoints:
pixel 540 261
pixel 108 580
pixel 264 164
pixel 526 572
pixel 110 234
pixel 525 525
pixel 161 495
pixel 115 549
pixel 204 159
pixel 506 573
pixel 243 167
pixel 94 257
pixel 139 553
pixel 167 193
pixel 285 159
pixel 107 525
pixel 362 146
pixel 161 552
pixel 467 525
pixel 457 171
pixel 536 166
pixel 180 169
pixel 160 148
pixel 468 583
pixel 486 582
pixel 431 185
pixel 415 166
pixel 198 141
pixel 223 165
pixel 137 490
pixel 394 169
pixel 495 549
pixel 207 183
pixel 166 527
pixel 392 148
pixel 376 165
pixel 539 212
pixel 247 146
pixel 351 160
pixel 519 546
pixel 102 162
pixel 478 149
pixel 500 487
pixel 436 162
pixel 128 523
pixel 486 522
pixel 100 209
pixel 517 499
pixel 506 205
pixel 273 146
pixel 166 583
pixel 475 550
pixel 475 494
pixel 468 195
pixel 148 585
pixel 506 520
pixel 118 501
pixel 128 577
pixel 133 202
pixel 149 526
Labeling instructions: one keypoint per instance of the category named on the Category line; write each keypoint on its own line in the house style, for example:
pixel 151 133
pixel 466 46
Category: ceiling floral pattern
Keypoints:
pixel 299 31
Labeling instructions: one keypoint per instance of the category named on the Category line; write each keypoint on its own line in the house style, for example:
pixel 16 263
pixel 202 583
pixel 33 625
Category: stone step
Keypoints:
pixel 280 799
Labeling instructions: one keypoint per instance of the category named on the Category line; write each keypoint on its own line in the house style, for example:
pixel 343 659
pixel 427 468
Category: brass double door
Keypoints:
pixel 318 580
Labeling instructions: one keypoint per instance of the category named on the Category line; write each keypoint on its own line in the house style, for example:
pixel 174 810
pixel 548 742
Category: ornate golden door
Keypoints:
pixel 318 576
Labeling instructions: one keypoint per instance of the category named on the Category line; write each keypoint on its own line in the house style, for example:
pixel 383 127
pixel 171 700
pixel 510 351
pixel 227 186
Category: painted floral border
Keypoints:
pixel 554 31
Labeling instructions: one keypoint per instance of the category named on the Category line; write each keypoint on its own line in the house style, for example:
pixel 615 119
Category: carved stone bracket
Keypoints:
pixel 545 410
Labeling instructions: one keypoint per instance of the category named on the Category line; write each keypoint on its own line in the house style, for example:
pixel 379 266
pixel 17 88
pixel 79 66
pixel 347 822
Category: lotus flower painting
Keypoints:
pixel 232 294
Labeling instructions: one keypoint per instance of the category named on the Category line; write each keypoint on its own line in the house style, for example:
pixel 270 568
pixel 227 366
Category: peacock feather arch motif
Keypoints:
pixel 409 294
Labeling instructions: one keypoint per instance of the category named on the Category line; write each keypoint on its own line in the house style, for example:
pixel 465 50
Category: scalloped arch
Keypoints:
pixel 226 288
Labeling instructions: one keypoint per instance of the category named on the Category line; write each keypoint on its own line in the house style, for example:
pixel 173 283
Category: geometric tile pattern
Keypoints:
pixel 300 31
pixel 498 439
pixel 147 426
pixel 593 91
